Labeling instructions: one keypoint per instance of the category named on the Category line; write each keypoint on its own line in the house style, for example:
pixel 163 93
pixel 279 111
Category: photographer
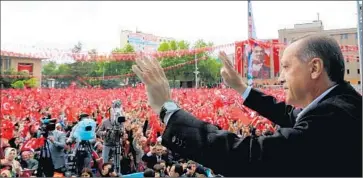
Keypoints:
pixel 108 143
pixel 52 153
pixel 111 130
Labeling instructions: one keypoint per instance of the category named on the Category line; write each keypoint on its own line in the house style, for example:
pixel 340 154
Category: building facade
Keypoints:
pixel 347 36
pixel 20 62
pixel 142 41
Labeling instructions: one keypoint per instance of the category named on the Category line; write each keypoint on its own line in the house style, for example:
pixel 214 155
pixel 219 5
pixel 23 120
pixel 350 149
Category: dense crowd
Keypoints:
pixel 22 111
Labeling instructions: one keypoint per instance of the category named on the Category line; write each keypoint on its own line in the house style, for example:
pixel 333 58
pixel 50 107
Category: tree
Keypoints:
pixel 79 69
pixel 209 69
pixel 31 83
pixel 172 61
pixel 121 67
pixel 49 68
pixel 77 48
pixel 18 84
pixel 10 78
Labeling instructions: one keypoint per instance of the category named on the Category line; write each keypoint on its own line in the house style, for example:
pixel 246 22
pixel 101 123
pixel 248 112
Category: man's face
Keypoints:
pixel 295 76
pixel 159 150
pixel 258 132
pixel 258 54
pixel 25 156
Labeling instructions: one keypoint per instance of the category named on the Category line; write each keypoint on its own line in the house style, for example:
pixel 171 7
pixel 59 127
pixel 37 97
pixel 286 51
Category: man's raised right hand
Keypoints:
pixel 230 76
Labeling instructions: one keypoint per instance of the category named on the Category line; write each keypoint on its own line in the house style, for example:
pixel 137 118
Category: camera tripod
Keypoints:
pixel 46 167
pixel 83 151
pixel 115 151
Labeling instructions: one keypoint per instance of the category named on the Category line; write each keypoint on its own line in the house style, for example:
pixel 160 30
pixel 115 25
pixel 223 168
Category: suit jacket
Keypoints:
pixel 325 141
pixel 152 160
pixel 30 164
pixel 57 149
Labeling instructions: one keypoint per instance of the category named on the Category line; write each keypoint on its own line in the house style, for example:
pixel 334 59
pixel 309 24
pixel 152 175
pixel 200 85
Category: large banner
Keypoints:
pixel 258 62
pixel 261 58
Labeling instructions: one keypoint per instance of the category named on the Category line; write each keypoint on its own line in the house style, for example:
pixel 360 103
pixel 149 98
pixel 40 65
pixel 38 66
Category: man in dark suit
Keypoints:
pixel 324 139
pixel 155 155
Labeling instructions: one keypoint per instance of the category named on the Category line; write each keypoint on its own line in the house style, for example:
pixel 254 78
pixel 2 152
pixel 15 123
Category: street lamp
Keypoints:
pixel 196 72
pixel 360 45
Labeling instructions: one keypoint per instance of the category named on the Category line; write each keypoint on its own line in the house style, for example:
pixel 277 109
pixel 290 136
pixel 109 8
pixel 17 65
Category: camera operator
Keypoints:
pixel 52 153
pixel 111 130
pixel 108 143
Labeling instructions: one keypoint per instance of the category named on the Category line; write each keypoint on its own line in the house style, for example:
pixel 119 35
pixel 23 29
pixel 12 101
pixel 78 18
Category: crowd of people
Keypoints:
pixel 23 112
pixel 298 143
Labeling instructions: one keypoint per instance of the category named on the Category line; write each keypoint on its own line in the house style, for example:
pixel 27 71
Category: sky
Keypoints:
pixel 98 24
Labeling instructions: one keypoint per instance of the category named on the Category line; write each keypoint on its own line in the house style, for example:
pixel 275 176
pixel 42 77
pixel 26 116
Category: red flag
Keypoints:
pixel 33 143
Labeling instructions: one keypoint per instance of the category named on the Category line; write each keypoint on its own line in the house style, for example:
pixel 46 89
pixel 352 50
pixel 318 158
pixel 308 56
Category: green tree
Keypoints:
pixel 18 84
pixel 50 68
pixel 209 69
pixel 177 73
pixel 11 76
pixel 31 83
pixel 121 67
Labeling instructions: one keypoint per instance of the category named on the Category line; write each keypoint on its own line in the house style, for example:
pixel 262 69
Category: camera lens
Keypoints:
pixel 88 128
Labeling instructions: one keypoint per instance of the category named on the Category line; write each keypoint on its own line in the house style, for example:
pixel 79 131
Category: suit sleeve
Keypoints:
pixel 224 152
pixel 34 165
pixel 61 141
pixel 278 112
pixel 101 129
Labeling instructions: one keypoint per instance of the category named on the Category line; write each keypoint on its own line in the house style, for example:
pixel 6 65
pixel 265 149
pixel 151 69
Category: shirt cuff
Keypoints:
pixel 246 93
pixel 167 116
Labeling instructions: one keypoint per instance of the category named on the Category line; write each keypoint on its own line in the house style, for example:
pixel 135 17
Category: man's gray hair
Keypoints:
pixel 328 50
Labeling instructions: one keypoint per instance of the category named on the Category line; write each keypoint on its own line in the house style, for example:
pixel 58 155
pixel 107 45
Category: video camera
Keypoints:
pixel 47 125
pixel 117 113
pixel 86 129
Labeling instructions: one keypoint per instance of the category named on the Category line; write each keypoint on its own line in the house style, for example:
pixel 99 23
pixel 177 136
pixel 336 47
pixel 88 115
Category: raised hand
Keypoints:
pixel 157 86
pixel 230 76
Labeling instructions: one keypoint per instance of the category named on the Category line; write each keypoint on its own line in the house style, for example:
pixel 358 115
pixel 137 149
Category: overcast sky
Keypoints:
pixel 57 24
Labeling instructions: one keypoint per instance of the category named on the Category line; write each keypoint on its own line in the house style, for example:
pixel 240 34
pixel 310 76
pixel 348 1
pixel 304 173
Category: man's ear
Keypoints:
pixel 316 66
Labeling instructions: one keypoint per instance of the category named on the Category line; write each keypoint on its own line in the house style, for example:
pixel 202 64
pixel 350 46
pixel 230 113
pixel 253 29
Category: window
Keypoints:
pixel 344 36
pixel 358 82
pixel 285 41
pixel 358 71
pixel 25 67
pixel 7 63
pixel 356 35
pixel 245 74
pixel 357 58
pixel 347 71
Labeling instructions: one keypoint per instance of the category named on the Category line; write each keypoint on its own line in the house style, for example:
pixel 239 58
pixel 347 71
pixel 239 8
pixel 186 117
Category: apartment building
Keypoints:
pixel 142 41
pixel 346 36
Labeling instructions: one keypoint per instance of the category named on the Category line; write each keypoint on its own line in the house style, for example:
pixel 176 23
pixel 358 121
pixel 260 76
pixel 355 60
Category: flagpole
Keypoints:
pixel 360 45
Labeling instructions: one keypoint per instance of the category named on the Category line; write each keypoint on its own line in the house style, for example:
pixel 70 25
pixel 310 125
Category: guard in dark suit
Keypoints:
pixel 323 139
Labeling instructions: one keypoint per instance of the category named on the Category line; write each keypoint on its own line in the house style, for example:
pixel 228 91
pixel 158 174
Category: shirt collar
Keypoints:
pixel 316 101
